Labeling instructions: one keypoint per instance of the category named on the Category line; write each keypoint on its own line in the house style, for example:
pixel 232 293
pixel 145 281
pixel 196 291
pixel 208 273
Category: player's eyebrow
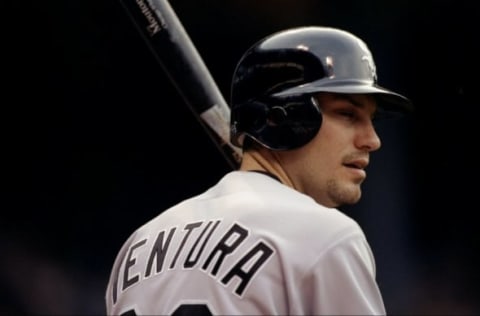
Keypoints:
pixel 361 103
pixel 355 100
pixel 350 98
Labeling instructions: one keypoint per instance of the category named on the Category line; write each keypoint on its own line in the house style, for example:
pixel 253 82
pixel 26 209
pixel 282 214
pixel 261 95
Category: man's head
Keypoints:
pixel 274 81
pixel 306 97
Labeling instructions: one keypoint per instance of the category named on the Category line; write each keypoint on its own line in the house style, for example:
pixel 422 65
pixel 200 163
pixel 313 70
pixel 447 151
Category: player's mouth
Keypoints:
pixel 357 166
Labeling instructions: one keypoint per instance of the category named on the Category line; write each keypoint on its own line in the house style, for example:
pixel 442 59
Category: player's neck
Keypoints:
pixel 264 160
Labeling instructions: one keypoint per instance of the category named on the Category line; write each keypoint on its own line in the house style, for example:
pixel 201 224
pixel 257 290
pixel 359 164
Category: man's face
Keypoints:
pixel 330 168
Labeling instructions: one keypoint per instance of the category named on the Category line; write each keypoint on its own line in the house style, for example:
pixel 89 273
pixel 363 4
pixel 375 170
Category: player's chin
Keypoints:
pixel 353 194
pixel 346 193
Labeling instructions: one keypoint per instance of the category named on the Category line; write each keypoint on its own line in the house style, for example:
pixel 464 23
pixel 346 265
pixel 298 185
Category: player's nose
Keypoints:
pixel 368 138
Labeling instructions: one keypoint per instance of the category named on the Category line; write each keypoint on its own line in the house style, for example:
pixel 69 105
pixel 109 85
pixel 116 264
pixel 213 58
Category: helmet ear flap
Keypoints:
pixel 277 115
pixel 278 123
pixel 250 116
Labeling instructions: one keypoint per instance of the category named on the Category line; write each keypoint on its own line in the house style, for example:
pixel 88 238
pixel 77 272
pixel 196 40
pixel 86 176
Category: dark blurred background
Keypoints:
pixel 96 141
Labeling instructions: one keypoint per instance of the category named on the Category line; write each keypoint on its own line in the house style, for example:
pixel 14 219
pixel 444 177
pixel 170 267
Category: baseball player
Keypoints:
pixel 268 238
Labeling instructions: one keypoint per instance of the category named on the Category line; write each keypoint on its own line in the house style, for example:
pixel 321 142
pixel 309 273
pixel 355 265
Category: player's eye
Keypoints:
pixel 347 114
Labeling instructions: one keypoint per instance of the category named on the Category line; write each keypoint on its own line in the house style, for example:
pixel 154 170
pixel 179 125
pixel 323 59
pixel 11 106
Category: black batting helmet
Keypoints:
pixel 273 84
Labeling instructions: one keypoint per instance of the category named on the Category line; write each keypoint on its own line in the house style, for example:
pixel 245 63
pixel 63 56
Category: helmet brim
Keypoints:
pixel 388 100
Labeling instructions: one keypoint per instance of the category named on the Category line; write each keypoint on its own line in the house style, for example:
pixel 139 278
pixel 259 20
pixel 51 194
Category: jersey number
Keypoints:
pixel 182 310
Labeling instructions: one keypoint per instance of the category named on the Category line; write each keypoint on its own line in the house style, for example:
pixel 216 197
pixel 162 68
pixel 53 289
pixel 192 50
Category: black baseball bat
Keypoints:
pixel 174 50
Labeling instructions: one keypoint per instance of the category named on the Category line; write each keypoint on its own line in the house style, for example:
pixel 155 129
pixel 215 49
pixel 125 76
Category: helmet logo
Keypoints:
pixel 369 59
pixel 371 66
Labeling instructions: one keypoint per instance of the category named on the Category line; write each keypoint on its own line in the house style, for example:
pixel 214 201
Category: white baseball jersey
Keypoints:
pixel 247 246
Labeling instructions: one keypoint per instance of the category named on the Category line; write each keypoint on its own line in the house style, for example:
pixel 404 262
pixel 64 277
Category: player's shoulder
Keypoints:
pixel 286 217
